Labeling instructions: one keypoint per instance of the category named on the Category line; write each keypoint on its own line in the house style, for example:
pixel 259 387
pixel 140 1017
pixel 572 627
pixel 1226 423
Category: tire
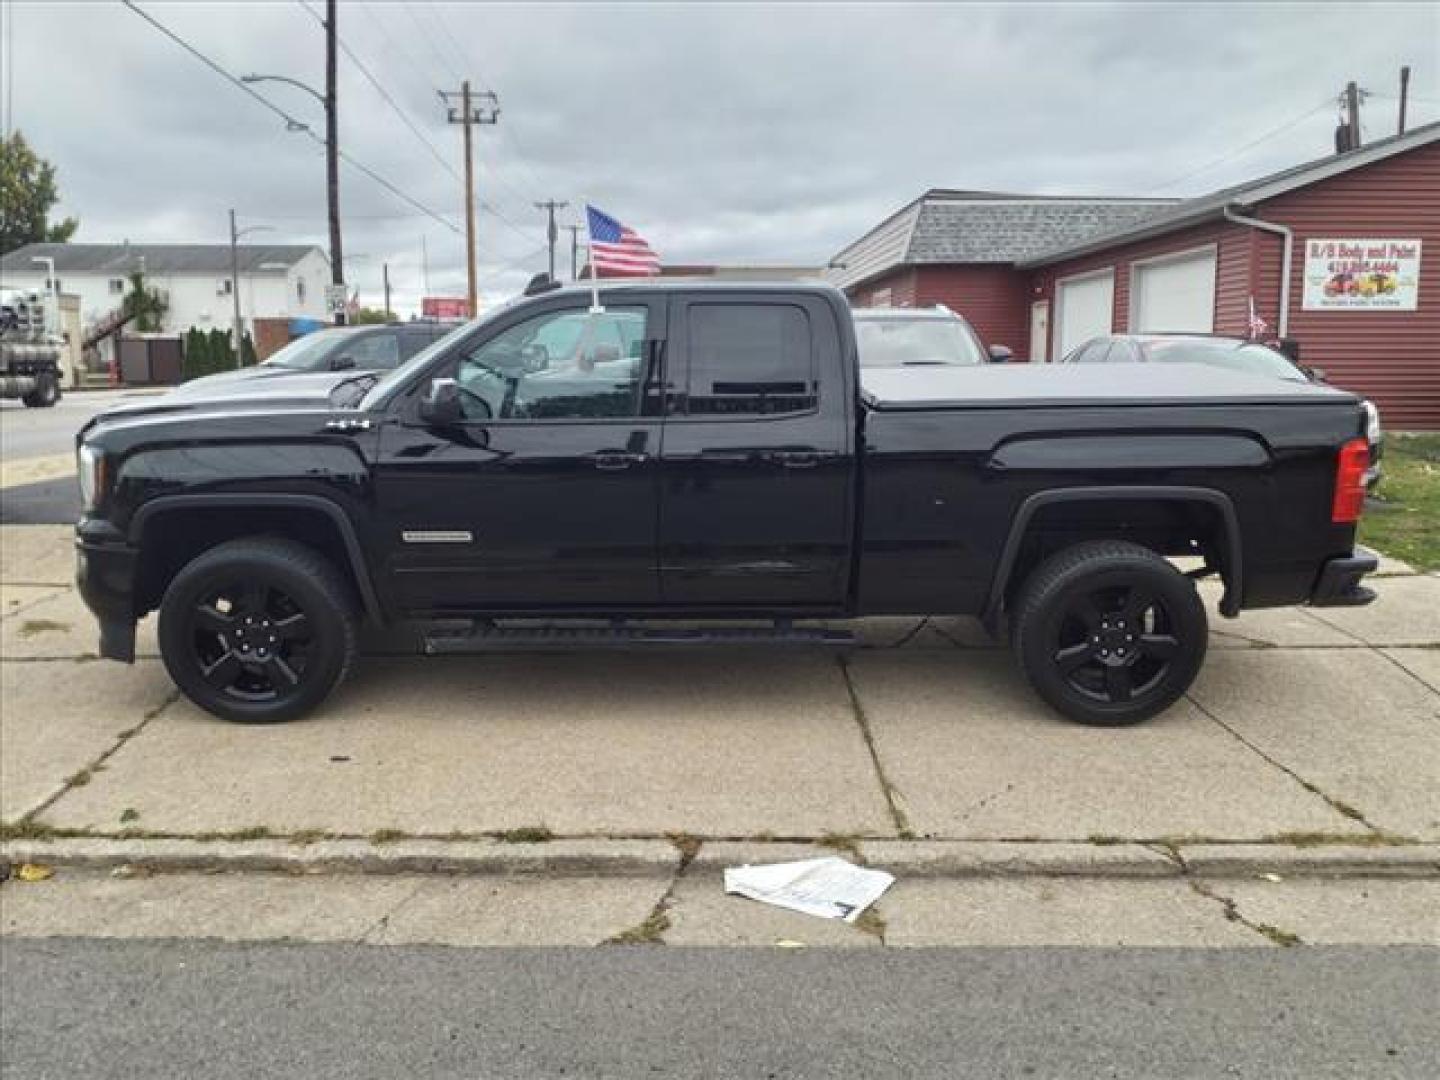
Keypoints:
pixel 1082 615
pixel 45 394
pixel 258 630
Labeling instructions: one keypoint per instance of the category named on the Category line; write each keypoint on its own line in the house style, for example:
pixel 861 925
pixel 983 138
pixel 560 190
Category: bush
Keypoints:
pixel 212 351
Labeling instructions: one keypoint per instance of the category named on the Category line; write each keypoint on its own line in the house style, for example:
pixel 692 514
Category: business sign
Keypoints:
pixel 1369 275
pixel 444 307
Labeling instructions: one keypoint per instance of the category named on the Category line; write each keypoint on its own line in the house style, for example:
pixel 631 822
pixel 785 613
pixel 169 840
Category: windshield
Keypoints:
pixel 309 353
pixel 1248 357
pixel 892 342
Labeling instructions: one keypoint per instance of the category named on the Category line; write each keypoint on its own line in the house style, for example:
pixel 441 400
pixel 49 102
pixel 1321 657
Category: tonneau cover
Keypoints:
pixel 1080 385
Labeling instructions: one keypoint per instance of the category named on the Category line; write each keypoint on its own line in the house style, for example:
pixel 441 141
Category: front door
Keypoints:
pixel 1039 330
pixel 544 496
pixel 757 465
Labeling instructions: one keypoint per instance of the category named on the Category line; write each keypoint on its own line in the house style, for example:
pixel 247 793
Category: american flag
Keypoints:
pixel 618 250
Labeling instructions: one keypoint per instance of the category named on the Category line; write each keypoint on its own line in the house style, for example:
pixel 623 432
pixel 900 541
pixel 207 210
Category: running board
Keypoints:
pixel 488 638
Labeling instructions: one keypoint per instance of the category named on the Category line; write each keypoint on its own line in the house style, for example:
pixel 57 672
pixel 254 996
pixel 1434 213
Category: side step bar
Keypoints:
pixel 490 638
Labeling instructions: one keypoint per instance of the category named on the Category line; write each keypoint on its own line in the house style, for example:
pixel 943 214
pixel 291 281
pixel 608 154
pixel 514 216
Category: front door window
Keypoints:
pixel 562 365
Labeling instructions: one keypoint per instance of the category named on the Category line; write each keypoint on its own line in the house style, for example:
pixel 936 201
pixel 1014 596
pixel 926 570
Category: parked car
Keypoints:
pixel 1233 354
pixel 912 337
pixel 696 453
pixel 338 348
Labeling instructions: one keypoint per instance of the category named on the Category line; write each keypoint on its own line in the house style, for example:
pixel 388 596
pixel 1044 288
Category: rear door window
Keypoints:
pixel 749 359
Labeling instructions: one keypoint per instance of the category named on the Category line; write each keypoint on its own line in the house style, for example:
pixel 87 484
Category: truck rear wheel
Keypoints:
pixel 1109 633
pixel 258 630
pixel 45 394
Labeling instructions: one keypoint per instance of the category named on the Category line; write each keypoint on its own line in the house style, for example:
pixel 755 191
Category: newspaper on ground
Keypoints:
pixel 830 887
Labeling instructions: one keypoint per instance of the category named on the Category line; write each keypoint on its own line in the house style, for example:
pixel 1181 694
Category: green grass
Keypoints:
pixel 1403 520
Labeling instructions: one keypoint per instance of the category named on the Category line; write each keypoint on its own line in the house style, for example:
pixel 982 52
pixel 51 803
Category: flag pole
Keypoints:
pixel 595 307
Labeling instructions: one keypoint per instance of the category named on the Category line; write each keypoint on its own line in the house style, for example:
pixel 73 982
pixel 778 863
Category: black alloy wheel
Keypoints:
pixel 1109 633
pixel 258 630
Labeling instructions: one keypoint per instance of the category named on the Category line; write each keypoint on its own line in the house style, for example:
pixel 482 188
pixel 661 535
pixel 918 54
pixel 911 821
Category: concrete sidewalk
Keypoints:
pixel 1307 731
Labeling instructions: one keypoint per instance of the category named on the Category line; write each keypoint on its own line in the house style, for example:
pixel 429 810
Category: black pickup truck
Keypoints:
pixel 677 458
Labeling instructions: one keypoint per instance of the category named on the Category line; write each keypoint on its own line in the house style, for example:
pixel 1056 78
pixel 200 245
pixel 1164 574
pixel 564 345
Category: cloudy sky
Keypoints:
pixel 762 134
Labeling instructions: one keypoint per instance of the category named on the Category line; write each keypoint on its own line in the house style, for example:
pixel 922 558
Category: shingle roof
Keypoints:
pixel 944 226
pixel 1212 205
pixel 121 259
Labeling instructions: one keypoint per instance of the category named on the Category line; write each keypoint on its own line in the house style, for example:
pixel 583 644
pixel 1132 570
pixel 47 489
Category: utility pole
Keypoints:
pixel 551 233
pixel 385 277
pixel 332 158
pixel 1404 96
pixel 478 108
pixel 1352 114
pixel 239 331
pixel 574 252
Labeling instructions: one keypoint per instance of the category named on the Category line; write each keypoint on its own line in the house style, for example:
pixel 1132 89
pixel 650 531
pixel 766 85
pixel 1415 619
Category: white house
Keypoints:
pixel 275 280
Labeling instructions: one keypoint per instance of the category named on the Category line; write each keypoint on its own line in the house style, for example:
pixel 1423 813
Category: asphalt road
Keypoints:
pixel 28 432
pixel 76 1007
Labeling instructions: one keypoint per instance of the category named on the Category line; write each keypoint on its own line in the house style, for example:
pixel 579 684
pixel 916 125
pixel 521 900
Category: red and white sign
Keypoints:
pixel 444 307
pixel 1368 275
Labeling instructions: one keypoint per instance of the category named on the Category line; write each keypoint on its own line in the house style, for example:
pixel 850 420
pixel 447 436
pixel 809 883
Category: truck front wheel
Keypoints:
pixel 45 394
pixel 1109 633
pixel 258 630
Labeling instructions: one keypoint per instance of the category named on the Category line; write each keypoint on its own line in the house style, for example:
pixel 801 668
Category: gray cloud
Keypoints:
pixel 748 133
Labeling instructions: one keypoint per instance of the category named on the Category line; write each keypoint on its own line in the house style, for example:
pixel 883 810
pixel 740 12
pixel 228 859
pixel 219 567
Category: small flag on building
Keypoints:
pixel 1258 325
pixel 617 250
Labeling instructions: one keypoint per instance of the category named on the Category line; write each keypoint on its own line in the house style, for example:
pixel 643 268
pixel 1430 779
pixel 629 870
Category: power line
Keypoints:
pixel 382 92
pixel 449 39
pixel 291 124
pixel 1326 104
pixel 409 9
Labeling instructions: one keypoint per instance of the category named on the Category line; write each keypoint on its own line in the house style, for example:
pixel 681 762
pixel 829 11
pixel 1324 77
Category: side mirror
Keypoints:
pixel 342 363
pixel 1316 373
pixel 440 407
pixel 1001 354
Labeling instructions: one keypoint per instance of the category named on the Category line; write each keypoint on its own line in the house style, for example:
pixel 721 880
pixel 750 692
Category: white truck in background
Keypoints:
pixel 31 347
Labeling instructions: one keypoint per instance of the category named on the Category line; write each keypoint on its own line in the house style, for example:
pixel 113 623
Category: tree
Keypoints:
pixel 145 305
pixel 27 192
pixel 367 315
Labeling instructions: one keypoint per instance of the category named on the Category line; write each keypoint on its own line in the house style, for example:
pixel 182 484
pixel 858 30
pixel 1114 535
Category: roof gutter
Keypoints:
pixel 1283 329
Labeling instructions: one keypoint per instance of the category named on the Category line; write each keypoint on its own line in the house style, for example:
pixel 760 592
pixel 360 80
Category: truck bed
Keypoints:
pixel 1079 385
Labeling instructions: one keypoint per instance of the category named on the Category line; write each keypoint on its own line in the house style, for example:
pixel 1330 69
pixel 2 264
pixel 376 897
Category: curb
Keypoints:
pixel 618 858
pixel 915 859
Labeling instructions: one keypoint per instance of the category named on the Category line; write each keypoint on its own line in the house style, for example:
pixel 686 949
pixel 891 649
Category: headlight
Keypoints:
pixel 90 466
pixel 1372 421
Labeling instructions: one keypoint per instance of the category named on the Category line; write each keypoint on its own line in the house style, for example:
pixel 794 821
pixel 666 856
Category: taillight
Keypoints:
pixel 1350 469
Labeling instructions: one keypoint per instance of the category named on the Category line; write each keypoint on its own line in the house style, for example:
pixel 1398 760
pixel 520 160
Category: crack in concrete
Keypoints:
pixel 651 929
pixel 367 936
pixel 1342 808
pixel 1277 935
pixel 893 798
pixel 73 780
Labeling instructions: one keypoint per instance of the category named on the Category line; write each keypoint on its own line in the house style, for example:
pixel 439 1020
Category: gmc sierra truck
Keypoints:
pixel 651 465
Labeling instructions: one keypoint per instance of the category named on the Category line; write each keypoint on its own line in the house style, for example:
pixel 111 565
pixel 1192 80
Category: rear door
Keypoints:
pixel 757 463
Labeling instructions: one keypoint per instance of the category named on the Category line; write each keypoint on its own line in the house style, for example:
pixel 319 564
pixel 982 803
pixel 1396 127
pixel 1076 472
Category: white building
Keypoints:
pixel 275 280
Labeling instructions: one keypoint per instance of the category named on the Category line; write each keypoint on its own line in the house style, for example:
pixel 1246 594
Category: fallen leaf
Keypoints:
pixel 34 872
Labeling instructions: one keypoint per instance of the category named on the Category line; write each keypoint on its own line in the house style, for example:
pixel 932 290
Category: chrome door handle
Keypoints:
pixel 798 459
pixel 614 460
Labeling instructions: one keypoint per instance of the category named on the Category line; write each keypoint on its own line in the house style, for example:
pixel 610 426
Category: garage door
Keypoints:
pixel 1083 309
pixel 1174 294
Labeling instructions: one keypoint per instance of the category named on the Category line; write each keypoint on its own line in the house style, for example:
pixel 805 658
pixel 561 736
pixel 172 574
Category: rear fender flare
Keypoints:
pixel 1218 500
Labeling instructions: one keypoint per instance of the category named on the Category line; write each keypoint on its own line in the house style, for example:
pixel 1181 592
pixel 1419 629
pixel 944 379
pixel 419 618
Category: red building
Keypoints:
pixel 1328 253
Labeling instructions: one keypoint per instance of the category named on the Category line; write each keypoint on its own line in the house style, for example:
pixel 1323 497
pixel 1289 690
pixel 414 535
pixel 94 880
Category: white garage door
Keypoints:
pixel 1174 294
pixel 1083 309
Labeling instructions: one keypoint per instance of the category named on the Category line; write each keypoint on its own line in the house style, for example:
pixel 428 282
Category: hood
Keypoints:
pixel 296 391
pixel 210 384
